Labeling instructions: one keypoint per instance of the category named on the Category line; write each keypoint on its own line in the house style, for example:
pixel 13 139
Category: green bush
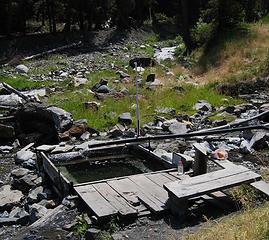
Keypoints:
pixel 202 32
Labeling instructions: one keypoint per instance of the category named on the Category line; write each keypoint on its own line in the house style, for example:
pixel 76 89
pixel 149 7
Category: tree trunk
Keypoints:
pixel 186 25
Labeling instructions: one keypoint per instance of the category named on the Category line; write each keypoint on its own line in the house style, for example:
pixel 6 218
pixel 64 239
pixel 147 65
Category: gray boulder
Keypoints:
pixel 125 118
pixel 203 105
pixel 20 172
pixel 24 155
pixel 37 211
pixel 35 195
pixel 259 141
pixel 21 215
pixel 178 128
pixel 9 198
pixel 22 69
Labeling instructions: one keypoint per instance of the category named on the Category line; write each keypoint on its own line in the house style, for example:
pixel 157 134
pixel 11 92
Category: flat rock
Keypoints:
pixel 178 128
pixel 80 81
pixel 20 172
pixel 37 211
pixel 203 105
pixel 259 141
pixel 9 198
pixel 46 148
pixel 24 155
pixel 34 194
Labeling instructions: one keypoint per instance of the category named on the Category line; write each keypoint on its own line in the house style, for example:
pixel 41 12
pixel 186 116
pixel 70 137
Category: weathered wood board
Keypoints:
pixel 261 186
pixel 95 201
pixel 119 203
pixel 210 182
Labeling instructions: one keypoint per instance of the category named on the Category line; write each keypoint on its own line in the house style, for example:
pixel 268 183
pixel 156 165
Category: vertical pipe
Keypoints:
pixel 137 102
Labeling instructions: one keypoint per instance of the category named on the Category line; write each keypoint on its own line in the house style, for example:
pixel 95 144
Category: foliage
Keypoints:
pixel 81 226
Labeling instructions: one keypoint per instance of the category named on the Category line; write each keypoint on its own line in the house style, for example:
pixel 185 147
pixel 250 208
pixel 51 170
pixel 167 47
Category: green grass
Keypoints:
pixel 22 83
pixel 73 100
pixel 251 224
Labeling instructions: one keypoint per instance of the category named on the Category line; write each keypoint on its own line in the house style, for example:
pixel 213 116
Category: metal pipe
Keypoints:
pixel 174 136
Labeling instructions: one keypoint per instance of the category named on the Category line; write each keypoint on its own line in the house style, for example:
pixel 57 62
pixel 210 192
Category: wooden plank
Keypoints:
pixel 151 188
pixel 133 194
pixel 118 178
pixel 95 201
pixel 177 176
pixel 159 179
pixel 261 186
pixel 119 203
pixel 203 184
pixel 126 189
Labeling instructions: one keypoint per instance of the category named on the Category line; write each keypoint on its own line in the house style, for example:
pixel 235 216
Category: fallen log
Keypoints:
pixel 13 90
pixel 52 51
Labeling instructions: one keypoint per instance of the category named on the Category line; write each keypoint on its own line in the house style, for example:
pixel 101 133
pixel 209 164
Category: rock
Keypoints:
pixel 7 132
pixel 62 119
pixel 45 148
pixel 124 91
pixel 178 128
pixel 142 62
pixel 75 131
pixel 8 221
pixel 92 233
pixel 9 198
pixel 70 227
pixel 161 110
pixel 103 82
pixel 245 147
pixel 259 141
pixel 264 107
pixel 125 118
pixel 80 81
pixel 203 105
pixel 37 211
pixel 5 149
pixel 20 172
pixel 24 155
pixel 22 69
pixel 25 183
pixel 164 154
pixel 155 84
pixel 92 105
pixel 247 134
pixel 118 236
pixel 218 123
pixel 103 89
pixel 30 164
pixel 21 215
pixel 85 136
pixel 63 149
pixel 123 74
pixel 34 195
pixel 150 77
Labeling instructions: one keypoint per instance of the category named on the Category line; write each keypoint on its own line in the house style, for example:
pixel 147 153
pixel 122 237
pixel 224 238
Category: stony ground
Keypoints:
pixel 59 73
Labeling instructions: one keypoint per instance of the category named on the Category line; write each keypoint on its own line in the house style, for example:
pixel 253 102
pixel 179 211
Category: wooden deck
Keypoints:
pixel 127 196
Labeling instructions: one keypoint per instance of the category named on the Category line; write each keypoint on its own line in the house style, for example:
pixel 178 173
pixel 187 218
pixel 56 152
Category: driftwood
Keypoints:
pixel 13 90
pixel 52 51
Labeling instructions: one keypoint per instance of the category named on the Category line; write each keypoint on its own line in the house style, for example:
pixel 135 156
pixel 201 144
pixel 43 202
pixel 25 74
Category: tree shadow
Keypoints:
pixel 214 49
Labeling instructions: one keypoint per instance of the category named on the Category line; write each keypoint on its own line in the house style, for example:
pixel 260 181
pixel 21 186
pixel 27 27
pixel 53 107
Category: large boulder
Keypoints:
pixel 22 69
pixel 45 123
pixel 9 198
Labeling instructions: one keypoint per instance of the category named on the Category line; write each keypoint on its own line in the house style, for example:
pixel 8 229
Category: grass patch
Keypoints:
pixel 234 55
pixel 251 224
pixel 22 83
pixel 73 100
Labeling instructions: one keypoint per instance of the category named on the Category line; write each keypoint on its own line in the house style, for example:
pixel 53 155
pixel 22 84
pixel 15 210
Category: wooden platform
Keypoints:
pixel 127 196
pixel 211 182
